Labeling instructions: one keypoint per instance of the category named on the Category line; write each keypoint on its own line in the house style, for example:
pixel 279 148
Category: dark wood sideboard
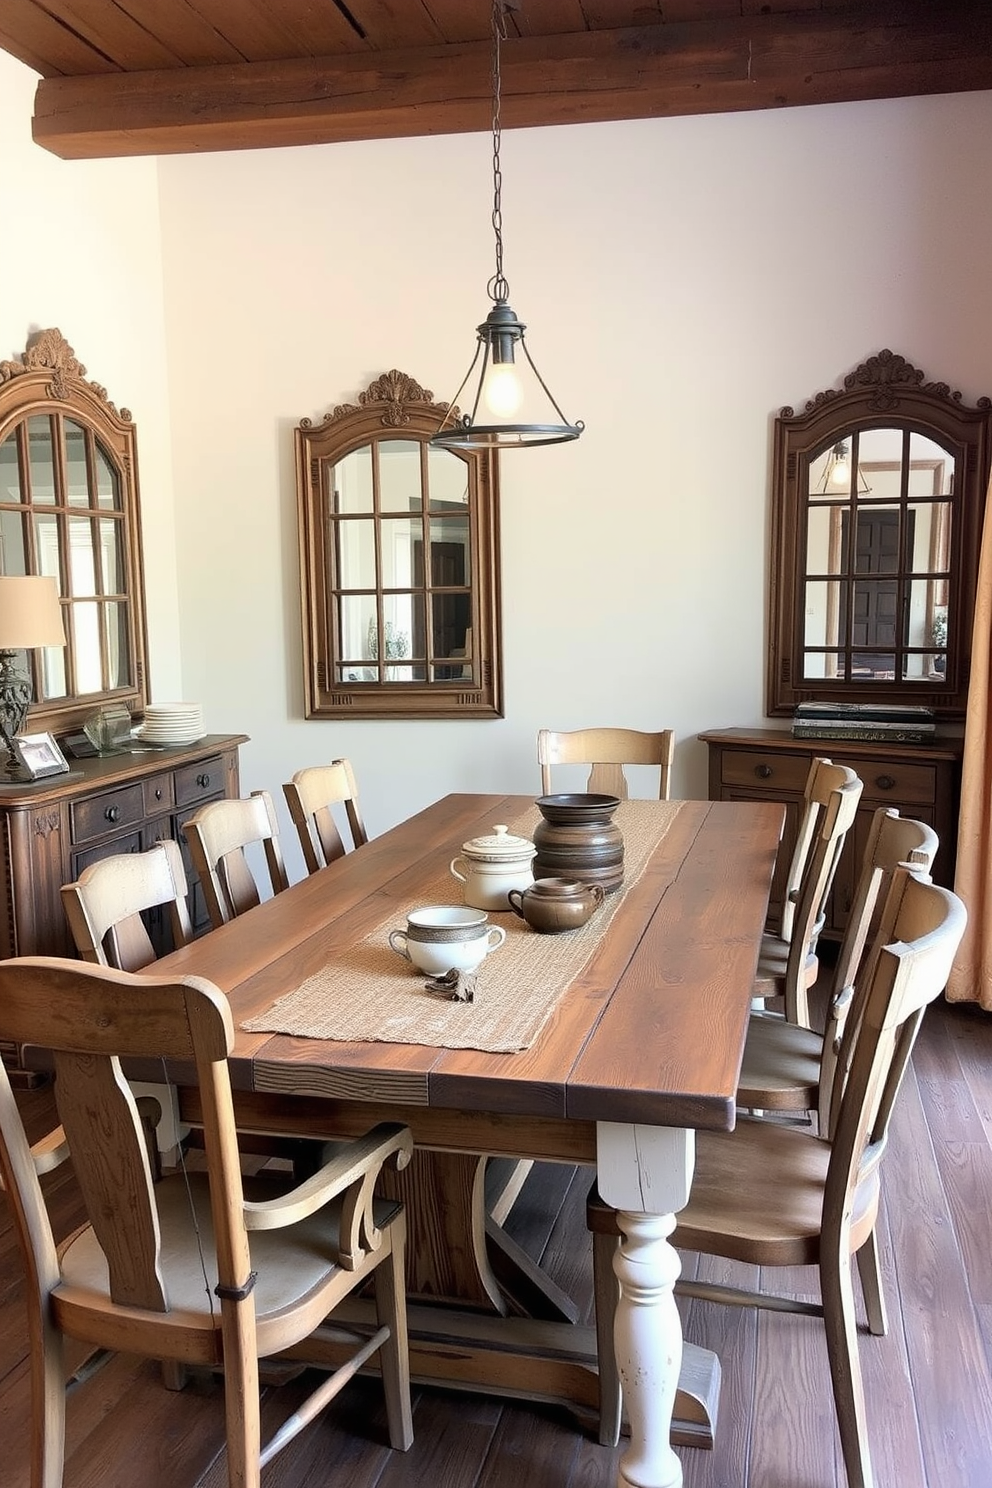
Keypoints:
pixel 52 829
pixel 920 780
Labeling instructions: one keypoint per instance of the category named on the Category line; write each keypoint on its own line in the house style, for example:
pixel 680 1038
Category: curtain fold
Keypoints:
pixel 971 974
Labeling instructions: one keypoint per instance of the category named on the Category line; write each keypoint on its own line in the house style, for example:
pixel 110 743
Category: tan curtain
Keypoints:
pixel 971 975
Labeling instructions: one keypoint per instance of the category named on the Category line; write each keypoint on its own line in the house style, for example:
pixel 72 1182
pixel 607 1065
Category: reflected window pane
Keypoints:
pixel 404 621
pixel 399 476
pixel 40 460
pixel 448 478
pixel 824 540
pixel 82 557
pixel 77 490
pixel 86 635
pixel 825 621
pixel 12 551
pixel 818 665
pixel 872 666
pixel 930 526
pixel 931 467
pixel 10 471
pixel 46 548
pixel 53 677
pixel 115 636
pixel 402 552
pixel 355 554
pixel 876 549
pixel 111 557
pixel 875 615
pixel 451 559
pixel 108 485
pixel 356 613
pixel 350 482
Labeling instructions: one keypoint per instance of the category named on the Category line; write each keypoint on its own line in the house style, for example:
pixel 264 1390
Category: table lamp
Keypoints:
pixel 30 616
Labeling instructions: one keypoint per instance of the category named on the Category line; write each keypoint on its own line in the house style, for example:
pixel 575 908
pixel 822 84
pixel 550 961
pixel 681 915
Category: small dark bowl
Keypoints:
pixel 577 808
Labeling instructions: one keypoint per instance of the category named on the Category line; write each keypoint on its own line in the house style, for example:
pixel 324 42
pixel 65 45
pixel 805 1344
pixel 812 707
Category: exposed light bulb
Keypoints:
pixel 502 393
pixel 840 475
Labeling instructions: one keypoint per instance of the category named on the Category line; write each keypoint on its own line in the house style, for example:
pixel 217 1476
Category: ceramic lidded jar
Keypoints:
pixel 578 839
pixel 491 866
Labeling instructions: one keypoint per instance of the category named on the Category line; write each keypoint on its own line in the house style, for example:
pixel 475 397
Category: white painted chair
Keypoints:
pixel 218 835
pixel 310 796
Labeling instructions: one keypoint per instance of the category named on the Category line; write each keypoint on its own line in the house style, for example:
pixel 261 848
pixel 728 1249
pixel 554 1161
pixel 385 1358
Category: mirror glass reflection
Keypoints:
pixel 878 546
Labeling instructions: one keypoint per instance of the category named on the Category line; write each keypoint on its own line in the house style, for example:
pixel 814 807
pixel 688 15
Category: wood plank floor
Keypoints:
pixel 929 1382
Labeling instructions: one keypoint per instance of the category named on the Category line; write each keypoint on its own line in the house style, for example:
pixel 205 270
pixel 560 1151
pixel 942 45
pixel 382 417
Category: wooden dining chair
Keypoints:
pixel 310 796
pixel 787 967
pixel 218 835
pixel 781 1067
pixel 105 904
pixel 772 1195
pixel 607 750
pixel 780 923
pixel 187 1269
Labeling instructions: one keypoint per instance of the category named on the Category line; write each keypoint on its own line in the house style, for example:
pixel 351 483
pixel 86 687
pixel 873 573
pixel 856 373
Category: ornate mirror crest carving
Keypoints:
pixel 399 551
pixel 878 494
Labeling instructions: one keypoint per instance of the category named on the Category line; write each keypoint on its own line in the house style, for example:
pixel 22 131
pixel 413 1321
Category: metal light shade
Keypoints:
pixel 30 616
pixel 512 404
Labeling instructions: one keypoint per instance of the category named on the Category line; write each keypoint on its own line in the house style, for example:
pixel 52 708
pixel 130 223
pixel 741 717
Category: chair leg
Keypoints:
pixel 48 1408
pixel 394 1355
pixel 871 1285
pixel 606 1291
pixel 837 1288
pixel 242 1407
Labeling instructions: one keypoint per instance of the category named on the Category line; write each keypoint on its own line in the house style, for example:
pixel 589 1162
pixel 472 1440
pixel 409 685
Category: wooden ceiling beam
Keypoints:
pixel 727 65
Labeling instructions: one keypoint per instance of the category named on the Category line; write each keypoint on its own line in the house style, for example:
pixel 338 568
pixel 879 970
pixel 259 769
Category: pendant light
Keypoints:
pixel 509 388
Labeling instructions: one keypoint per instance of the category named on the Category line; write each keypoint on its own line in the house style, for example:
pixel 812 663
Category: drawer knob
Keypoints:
pixel 203 781
pixel 884 782
pixel 112 813
pixel 763 772
pixel 158 793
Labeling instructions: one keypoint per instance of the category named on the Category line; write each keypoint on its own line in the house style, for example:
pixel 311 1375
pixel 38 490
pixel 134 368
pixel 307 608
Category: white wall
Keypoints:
pixel 80 250
pixel 681 279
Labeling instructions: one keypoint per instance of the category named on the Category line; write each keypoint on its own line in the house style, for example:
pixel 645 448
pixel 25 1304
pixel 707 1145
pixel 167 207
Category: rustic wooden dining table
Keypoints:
pixel 640 1050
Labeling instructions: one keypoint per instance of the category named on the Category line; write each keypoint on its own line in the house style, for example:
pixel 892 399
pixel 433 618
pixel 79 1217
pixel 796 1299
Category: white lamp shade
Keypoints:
pixel 30 613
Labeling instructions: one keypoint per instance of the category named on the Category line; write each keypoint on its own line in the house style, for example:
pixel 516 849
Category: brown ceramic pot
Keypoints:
pixel 555 904
pixel 578 840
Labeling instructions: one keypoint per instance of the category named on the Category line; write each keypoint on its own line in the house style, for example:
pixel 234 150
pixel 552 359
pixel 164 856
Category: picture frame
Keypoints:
pixel 38 755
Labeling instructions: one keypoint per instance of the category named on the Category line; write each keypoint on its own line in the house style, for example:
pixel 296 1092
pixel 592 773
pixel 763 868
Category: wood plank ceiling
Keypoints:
pixel 140 77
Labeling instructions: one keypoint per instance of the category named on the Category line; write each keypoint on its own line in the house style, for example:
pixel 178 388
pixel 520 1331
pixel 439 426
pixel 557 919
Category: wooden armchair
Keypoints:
pixel 773 1195
pixel 187 1269
pixel 607 750
pixel 310 795
pixel 104 905
pixel 217 835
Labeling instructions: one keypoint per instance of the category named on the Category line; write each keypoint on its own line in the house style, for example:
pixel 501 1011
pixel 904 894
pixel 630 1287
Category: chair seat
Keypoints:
pixel 776 1175
pixel 290 1263
pixel 773 960
pixel 780 1070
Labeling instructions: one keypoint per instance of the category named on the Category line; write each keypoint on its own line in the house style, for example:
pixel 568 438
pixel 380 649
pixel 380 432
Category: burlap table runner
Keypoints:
pixel 369 993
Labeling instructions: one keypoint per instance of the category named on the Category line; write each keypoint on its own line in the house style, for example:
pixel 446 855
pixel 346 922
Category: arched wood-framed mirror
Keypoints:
pixel 69 510
pixel 878 493
pixel 399 554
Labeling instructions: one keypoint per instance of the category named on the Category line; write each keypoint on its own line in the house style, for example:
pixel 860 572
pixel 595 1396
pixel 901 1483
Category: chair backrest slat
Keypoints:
pixel 310 795
pixel 217 835
pixel 606 750
pixel 104 905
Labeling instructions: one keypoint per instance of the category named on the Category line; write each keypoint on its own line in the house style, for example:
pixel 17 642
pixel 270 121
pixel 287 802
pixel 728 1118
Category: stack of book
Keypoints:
pixel 876 723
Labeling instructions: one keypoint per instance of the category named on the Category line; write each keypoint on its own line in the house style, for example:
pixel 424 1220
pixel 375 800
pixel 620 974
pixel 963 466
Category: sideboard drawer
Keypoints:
pixel 108 812
pixel 159 794
pixel 892 782
pixel 779 772
pixel 199 782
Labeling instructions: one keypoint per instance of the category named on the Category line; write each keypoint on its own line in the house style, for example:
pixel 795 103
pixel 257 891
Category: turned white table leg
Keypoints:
pixel 645 1174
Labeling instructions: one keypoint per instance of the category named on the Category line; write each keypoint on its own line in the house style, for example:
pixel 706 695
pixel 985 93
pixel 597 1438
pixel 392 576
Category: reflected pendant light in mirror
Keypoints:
pixel 512 404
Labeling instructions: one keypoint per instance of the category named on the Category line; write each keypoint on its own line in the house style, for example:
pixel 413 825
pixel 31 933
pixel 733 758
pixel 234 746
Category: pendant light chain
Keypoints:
pixel 499 290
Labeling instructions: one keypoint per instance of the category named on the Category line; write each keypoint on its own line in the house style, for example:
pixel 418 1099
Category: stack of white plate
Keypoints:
pixel 172 723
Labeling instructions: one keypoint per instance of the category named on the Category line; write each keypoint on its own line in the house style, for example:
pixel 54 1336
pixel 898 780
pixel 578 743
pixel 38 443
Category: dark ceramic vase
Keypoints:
pixel 578 839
